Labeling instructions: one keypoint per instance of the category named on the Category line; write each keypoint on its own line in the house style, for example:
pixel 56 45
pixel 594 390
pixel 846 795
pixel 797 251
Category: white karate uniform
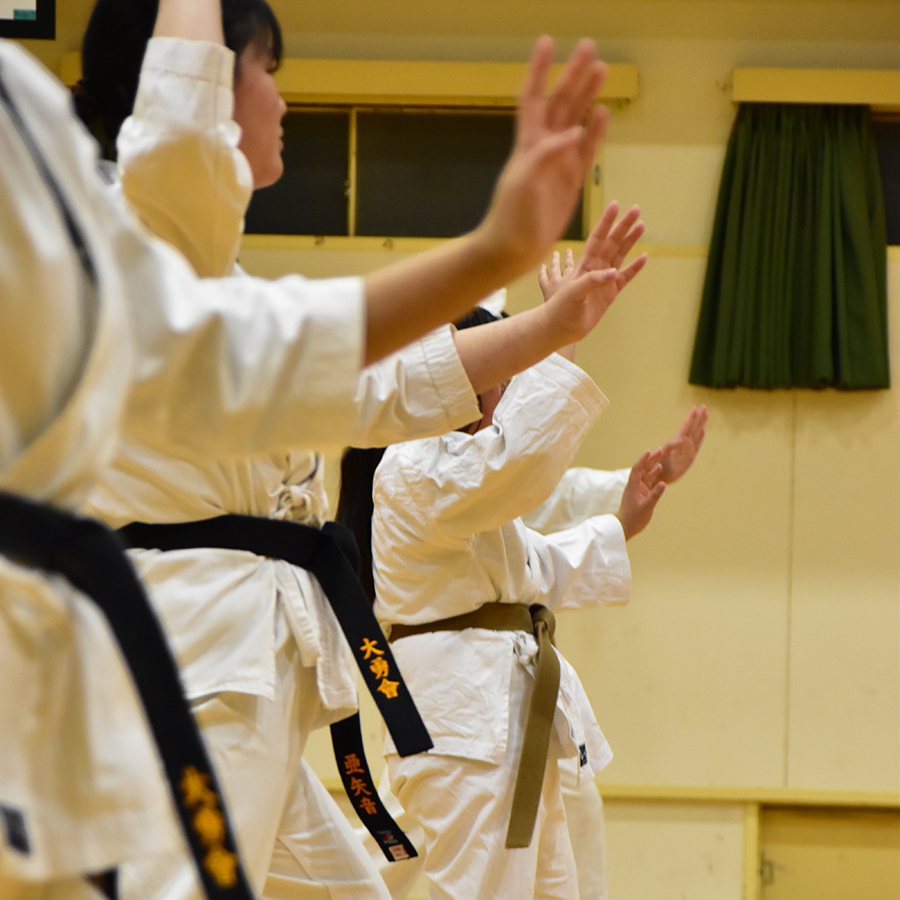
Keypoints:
pixel 235 619
pixel 446 539
pixel 219 368
pixel 581 493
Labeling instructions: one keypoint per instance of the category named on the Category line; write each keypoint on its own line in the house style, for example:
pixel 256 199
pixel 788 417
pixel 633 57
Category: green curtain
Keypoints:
pixel 795 293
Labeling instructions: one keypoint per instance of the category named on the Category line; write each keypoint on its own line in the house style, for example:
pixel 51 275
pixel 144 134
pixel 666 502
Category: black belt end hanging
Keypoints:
pixel 349 754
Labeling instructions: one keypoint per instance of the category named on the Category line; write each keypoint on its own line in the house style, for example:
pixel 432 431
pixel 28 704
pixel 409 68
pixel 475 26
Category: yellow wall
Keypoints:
pixel 762 644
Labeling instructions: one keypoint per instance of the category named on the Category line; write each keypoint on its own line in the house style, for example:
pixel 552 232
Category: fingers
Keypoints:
pixel 627 274
pixel 648 467
pixel 544 283
pixel 694 426
pixel 574 95
pixel 610 241
pixel 654 497
pixel 538 69
pixel 601 230
pixel 555 269
pixel 625 235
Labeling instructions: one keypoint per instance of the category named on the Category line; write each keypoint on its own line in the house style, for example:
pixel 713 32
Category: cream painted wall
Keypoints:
pixel 762 644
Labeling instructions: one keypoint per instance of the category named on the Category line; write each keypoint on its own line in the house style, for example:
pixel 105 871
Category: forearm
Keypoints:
pixel 196 20
pixel 414 296
pixel 493 353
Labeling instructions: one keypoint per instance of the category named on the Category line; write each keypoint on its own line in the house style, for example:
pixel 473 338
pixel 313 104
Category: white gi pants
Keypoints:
pixel 463 807
pixel 584 819
pixel 295 841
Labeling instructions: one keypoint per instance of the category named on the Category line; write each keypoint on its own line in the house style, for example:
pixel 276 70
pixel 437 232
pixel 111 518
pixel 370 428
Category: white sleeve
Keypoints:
pixel 586 565
pixel 242 365
pixel 581 493
pixel 474 483
pixel 420 391
pixel 179 164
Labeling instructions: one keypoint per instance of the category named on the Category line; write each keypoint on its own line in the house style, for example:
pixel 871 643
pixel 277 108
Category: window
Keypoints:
pixel 387 172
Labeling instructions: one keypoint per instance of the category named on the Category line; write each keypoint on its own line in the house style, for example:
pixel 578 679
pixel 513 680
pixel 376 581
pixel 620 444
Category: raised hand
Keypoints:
pixel 551 277
pixel 677 456
pixel 556 140
pixel 611 240
pixel 641 494
pixel 580 293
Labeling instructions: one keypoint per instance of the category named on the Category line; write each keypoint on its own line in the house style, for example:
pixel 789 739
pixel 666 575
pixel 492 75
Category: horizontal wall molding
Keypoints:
pixel 873 87
pixel 486 84
pixel 416 245
pixel 393 82
pixel 764 796
pixel 728 795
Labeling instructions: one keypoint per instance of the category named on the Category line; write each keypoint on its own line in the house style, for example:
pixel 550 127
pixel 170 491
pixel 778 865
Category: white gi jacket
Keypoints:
pixel 446 538
pixel 219 605
pixel 220 367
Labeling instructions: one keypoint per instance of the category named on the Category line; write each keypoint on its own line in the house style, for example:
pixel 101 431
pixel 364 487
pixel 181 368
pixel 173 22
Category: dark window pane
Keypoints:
pixel 430 174
pixel 887 137
pixel 310 197
pixel 427 174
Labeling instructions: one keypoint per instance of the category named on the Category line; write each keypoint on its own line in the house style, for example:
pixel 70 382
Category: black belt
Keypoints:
pixel 330 555
pixel 92 559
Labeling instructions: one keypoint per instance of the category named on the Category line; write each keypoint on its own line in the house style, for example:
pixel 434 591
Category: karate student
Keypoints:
pixel 580 494
pixel 229 672
pixel 204 375
pixel 455 571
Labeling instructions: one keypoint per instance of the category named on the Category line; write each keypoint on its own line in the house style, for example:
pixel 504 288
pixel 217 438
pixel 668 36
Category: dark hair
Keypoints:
pixel 113 50
pixel 358 465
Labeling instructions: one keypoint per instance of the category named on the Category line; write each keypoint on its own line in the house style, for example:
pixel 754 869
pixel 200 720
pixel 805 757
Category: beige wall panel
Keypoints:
pixel 845 611
pixel 820 854
pixel 659 851
pixel 689 679
pixel 674 186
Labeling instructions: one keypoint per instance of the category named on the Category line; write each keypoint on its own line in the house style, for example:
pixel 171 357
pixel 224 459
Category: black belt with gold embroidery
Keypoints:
pixel 92 559
pixel 329 554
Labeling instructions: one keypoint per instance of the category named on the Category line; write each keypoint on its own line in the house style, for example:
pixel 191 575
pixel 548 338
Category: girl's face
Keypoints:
pixel 259 109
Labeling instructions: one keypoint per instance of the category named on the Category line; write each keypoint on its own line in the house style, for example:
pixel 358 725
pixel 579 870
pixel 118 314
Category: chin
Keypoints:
pixel 268 178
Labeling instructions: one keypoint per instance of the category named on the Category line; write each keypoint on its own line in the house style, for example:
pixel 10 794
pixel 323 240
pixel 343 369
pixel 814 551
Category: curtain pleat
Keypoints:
pixel 795 293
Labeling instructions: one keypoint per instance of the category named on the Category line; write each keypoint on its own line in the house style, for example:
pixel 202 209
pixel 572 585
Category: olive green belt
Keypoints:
pixel 536 741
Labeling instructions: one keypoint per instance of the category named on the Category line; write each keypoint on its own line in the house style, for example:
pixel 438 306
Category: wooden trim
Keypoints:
pixel 345 244
pixel 762 796
pixel 751 885
pixel 401 82
pixel 729 795
pixel 874 87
